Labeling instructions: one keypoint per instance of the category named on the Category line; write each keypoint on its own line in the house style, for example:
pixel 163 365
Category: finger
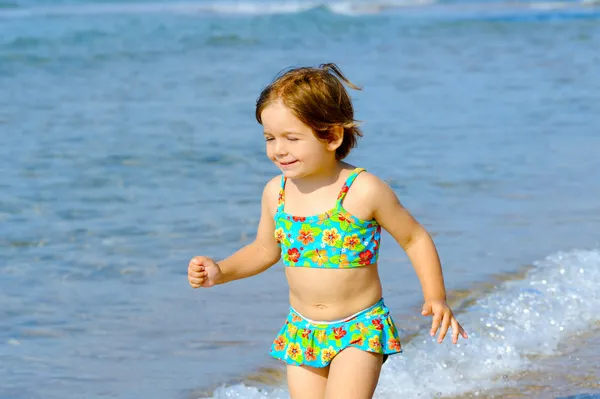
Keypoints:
pixel 196 268
pixel 455 330
pixel 426 310
pixel 463 332
pixel 437 319
pixel 445 326
pixel 197 261
pixel 197 274
pixel 198 281
pixel 195 285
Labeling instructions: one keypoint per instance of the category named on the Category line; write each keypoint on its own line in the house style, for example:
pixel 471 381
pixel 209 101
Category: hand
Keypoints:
pixel 442 315
pixel 203 272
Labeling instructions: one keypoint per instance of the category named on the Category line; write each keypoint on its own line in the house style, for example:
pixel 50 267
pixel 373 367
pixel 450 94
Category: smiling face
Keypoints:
pixel 292 145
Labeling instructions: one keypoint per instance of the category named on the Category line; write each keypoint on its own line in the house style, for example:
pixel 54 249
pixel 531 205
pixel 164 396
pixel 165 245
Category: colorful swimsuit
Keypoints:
pixel 335 240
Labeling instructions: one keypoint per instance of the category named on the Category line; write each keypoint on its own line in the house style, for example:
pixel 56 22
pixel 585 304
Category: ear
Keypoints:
pixel 337 137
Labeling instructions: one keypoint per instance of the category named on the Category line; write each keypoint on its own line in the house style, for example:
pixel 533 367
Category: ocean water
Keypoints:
pixel 128 145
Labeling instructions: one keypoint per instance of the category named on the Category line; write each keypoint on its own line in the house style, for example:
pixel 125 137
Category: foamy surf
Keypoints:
pixel 402 8
pixel 211 8
pixel 426 9
pixel 518 320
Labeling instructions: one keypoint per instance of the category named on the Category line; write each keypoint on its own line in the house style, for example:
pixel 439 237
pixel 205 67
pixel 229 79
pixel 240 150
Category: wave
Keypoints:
pixel 507 327
pixel 432 8
pixel 224 8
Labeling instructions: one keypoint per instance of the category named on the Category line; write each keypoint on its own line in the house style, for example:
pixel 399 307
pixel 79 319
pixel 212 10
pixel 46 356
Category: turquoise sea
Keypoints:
pixel 128 145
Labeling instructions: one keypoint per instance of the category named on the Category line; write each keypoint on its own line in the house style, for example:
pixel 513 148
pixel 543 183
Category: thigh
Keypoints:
pixel 307 382
pixel 353 374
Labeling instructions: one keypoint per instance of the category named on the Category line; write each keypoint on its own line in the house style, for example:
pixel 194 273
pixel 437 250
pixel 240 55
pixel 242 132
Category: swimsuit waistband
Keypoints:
pixel 377 304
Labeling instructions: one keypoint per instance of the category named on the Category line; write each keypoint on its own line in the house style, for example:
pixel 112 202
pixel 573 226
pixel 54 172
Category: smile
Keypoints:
pixel 287 163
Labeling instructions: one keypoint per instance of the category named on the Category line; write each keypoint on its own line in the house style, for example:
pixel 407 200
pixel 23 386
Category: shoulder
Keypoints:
pixel 375 194
pixel 271 192
pixel 273 185
pixel 372 186
pixel 382 201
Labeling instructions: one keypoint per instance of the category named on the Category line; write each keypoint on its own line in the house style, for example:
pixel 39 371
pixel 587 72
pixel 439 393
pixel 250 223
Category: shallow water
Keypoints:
pixel 128 145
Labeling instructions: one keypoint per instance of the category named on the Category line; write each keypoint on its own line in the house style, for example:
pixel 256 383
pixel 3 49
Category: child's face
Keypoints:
pixel 292 145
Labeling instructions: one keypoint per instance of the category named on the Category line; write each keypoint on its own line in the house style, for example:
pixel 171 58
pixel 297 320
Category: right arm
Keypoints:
pixel 264 251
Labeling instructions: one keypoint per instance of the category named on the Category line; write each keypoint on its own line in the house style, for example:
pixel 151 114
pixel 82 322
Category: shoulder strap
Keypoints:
pixel 281 197
pixel 347 185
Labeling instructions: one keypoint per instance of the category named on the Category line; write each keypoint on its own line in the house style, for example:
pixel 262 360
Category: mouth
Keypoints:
pixel 287 163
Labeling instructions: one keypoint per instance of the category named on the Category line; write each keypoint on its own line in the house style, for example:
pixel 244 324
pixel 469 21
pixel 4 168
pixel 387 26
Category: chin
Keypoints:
pixel 293 173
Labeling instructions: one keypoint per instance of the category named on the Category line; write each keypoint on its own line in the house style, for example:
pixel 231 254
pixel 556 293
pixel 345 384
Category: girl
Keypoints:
pixel 323 217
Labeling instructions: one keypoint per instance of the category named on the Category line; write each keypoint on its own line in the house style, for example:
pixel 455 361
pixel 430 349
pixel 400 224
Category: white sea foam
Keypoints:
pixel 348 8
pixel 557 298
pixel 216 7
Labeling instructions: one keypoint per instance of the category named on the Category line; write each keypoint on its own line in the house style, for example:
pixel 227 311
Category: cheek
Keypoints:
pixel 269 149
pixel 316 150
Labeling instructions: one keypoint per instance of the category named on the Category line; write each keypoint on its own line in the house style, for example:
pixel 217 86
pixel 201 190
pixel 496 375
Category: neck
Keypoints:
pixel 325 176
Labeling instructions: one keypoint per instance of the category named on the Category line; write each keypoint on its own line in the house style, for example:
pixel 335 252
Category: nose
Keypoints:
pixel 280 148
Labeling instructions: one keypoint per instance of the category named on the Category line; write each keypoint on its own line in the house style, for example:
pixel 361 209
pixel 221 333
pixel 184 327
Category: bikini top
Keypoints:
pixel 333 240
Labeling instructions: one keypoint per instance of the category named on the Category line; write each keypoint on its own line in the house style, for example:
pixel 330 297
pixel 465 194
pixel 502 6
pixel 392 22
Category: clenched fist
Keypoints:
pixel 203 272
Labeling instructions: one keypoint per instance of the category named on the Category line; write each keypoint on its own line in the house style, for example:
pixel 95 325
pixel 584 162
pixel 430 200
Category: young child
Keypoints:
pixel 323 217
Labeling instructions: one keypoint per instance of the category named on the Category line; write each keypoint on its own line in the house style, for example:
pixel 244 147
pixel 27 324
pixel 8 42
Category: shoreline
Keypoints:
pixel 567 370
pixel 573 373
pixel 273 376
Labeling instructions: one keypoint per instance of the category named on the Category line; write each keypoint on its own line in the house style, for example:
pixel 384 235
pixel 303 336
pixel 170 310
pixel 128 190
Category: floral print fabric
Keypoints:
pixel 335 239
pixel 304 342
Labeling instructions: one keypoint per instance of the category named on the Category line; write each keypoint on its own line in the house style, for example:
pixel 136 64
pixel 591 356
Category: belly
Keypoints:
pixel 332 294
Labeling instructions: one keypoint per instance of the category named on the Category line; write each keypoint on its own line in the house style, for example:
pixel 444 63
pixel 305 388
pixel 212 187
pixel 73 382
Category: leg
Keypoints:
pixel 306 382
pixel 353 374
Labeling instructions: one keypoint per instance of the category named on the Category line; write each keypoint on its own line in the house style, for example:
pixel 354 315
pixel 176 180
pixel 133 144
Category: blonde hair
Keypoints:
pixel 317 97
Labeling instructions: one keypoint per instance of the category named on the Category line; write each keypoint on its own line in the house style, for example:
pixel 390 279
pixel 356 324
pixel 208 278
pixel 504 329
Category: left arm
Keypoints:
pixel 421 251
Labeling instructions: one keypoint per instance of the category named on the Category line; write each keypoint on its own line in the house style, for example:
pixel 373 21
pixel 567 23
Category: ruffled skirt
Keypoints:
pixel 306 342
